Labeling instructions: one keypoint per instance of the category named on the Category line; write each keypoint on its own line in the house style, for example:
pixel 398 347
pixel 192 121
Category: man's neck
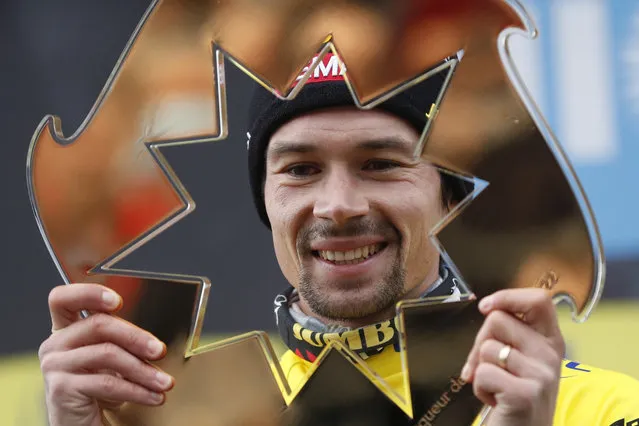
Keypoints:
pixel 383 315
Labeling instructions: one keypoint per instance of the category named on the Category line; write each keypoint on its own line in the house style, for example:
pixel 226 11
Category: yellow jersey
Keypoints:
pixel 587 395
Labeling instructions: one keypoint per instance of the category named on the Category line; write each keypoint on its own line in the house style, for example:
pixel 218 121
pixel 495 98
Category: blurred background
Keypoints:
pixel 55 57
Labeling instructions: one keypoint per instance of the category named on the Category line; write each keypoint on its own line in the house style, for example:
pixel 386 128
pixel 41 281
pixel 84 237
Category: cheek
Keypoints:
pixel 284 207
pixel 281 210
pixel 417 211
pixel 420 208
pixel 285 258
pixel 420 219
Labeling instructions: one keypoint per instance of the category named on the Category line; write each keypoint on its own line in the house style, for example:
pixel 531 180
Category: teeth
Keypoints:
pixel 351 256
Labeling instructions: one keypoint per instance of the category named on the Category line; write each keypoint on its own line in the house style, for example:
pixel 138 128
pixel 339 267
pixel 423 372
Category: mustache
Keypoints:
pixel 364 226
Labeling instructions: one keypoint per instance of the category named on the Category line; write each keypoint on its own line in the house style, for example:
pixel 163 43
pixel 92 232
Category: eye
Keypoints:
pixel 302 170
pixel 380 165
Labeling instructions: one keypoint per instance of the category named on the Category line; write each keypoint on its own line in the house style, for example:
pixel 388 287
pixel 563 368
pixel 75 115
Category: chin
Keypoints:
pixel 352 304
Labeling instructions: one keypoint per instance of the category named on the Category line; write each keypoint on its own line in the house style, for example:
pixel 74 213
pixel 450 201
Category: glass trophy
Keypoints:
pixel 108 189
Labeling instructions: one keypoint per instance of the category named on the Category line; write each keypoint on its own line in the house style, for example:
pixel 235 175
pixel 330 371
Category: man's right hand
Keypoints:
pixel 97 362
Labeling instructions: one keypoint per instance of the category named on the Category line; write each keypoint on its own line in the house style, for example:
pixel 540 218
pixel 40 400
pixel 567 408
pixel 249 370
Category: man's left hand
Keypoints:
pixel 521 328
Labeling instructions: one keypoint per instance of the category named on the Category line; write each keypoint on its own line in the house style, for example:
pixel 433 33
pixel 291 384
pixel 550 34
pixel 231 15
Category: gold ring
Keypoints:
pixel 502 358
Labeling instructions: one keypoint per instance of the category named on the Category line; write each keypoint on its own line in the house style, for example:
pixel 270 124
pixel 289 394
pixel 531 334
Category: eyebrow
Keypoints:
pixel 388 144
pixel 279 149
pixel 398 144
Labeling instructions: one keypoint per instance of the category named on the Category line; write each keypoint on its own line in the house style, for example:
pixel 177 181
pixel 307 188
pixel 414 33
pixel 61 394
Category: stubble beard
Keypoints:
pixel 383 295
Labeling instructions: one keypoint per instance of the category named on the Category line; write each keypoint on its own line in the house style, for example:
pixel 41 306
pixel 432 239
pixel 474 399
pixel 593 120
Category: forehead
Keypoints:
pixel 342 125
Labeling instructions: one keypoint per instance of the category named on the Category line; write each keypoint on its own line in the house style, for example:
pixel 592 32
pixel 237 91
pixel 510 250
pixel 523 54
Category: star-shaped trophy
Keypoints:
pixel 108 190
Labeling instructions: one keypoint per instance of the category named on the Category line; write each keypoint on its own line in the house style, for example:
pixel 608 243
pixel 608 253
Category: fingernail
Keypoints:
pixel 163 379
pixel 155 347
pixel 157 397
pixel 485 304
pixel 465 373
pixel 110 299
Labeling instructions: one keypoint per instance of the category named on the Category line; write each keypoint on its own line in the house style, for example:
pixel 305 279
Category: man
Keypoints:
pixel 350 209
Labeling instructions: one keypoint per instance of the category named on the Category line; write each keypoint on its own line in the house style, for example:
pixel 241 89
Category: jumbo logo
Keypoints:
pixel 359 340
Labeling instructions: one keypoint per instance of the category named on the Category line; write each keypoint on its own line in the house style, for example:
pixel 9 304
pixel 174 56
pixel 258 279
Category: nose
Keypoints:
pixel 340 199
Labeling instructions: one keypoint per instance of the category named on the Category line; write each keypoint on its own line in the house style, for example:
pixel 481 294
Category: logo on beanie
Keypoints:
pixel 330 68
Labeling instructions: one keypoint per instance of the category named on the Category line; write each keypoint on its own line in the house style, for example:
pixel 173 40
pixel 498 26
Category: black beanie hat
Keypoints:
pixel 325 89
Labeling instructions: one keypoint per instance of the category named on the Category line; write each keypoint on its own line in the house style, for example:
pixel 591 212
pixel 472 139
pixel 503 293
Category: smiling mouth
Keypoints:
pixel 350 257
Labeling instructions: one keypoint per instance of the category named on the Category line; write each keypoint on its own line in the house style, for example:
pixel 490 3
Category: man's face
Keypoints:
pixel 351 210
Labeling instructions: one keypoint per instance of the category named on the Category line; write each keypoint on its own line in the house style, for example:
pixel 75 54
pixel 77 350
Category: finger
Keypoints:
pixel 493 385
pixel 103 387
pixel 111 405
pixel 115 360
pixel 516 363
pixel 100 328
pixel 107 404
pixel 533 306
pixel 508 330
pixel 67 301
